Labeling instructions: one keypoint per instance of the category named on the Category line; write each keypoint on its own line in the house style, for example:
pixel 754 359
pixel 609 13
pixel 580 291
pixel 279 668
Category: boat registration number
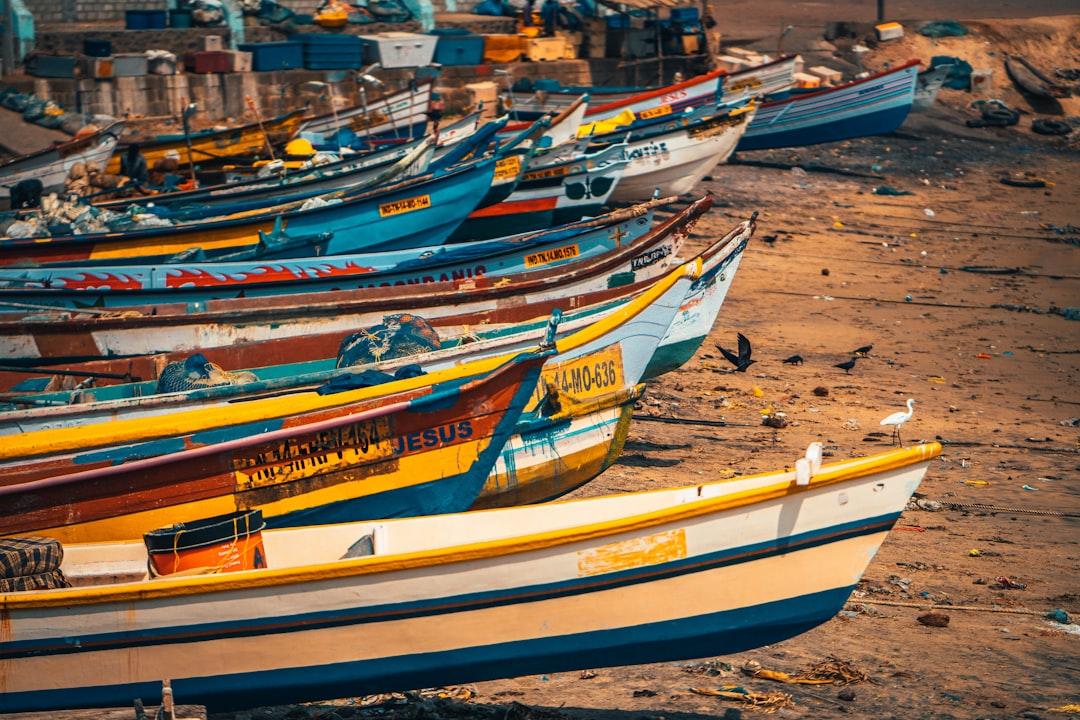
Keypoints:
pixel 313 454
pixel 655 112
pixel 508 168
pixel 546 173
pixel 566 252
pixel 597 373
pixel 403 206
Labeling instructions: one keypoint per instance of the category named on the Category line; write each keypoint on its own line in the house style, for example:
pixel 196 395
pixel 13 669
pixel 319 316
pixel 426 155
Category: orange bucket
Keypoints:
pixel 226 543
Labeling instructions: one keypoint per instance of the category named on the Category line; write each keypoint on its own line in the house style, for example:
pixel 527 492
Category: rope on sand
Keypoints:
pixel 995 508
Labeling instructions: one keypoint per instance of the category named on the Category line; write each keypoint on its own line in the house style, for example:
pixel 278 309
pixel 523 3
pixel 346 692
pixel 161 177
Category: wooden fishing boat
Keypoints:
pixel 674 98
pixel 273 187
pixel 103 286
pixel 259 331
pixel 551 455
pixel 701 306
pixel 401 114
pixel 416 212
pixel 874 105
pixel 91 404
pixel 674 162
pixel 421 445
pixel 564 124
pixel 463 597
pixel 553 194
pixel 770 80
pixel 670 154
pixel 326 187
pixel 210 147
pixel 95 404
pixel 77 482
pixel 555 448
pixel 1032 81
pixel 52 165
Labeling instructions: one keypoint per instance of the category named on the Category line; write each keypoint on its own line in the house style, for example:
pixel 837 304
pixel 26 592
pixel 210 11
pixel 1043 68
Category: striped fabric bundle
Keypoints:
pixel 30 563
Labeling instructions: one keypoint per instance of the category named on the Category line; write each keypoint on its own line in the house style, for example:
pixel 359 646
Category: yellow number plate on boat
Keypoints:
pixel 565 252
pixel 508 168
pixel 639 552
pixel 546 173
pixel 655 112
pixel 404 206
pixel 296 459
pixel 595 374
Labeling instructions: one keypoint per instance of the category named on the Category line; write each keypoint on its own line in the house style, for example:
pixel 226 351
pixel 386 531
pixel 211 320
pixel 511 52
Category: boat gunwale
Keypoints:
pixel 783 486
pixel 439 293
pixel 844 86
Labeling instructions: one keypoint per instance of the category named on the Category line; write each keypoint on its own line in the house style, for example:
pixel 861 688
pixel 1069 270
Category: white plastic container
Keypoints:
pixel 399 49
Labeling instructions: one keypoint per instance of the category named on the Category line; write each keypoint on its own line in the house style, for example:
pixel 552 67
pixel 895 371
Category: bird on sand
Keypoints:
pixel 863 351
pixel 742 360
pixel 899 418
pixel 847 364
pixel 793 360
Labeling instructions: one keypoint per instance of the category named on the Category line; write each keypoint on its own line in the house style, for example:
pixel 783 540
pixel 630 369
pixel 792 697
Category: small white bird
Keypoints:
pixel 899 418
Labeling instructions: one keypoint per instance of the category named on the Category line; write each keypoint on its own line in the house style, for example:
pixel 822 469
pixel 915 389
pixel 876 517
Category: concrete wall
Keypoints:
pixel 221 96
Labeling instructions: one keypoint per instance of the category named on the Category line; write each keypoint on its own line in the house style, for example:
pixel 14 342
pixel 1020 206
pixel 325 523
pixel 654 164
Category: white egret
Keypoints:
pixel 899 418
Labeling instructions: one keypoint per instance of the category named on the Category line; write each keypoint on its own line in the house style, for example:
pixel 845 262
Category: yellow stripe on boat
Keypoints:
pixel 61 440
pixel 785 485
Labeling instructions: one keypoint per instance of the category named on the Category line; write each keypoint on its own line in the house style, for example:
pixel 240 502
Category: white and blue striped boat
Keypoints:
pixel 874 105
pixel 640 577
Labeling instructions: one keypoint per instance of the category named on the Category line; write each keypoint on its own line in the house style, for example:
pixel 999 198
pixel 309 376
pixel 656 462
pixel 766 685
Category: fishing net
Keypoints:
pixel 196 372
pixel 396 336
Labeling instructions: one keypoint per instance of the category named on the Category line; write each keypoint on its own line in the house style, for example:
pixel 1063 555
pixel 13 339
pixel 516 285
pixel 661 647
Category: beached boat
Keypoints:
pixel 281 455
pixel 874 105
pixel 414 212
pixel 422 445
pixel 28 411
pixel 209 147
pixel 771 80
pixel 1033 81
pixel 250 332
pixel 102 286
pixel 669 154
pixel 674 98
pixel 272 187
pixel 701 307
pixel 362 608
pixel 564 123
pixel 400 114
pixel 52 165
pixel 551 195
pixel 55 407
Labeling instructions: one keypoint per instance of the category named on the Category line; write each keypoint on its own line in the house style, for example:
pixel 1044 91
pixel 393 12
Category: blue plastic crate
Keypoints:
pixel 330 52
pixel 146 19
pixel 274 55
pixel 458 47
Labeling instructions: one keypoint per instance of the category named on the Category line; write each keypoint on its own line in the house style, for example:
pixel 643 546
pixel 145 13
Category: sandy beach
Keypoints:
pixel 967 291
